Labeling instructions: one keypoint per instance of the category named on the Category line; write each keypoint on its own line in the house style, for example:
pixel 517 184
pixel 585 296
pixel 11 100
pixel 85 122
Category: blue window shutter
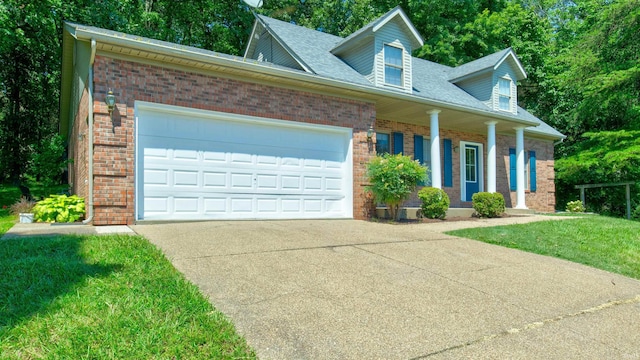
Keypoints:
pixel 398 146
pixel 532 170
pixel 418 151
pixel 512 169
pixel 448 163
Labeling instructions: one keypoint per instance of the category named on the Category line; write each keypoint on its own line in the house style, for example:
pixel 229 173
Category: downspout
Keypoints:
pixel 90 145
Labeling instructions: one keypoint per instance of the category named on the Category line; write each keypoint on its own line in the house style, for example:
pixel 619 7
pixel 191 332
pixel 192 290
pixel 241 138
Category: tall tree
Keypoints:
pixel 29 54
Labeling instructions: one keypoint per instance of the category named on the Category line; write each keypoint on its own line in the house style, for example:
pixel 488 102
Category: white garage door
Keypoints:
pixel 194 164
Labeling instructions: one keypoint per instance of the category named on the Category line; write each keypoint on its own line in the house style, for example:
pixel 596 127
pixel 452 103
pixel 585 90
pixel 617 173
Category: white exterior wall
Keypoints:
pixel 393 34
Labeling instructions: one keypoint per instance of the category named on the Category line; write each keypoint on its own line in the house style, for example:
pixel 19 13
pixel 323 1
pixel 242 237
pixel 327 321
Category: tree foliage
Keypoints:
pixel 600 157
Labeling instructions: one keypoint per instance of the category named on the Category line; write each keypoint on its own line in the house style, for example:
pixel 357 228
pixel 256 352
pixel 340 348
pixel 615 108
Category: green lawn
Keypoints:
pixel 6 221
pixel 77 297
pixel 602 242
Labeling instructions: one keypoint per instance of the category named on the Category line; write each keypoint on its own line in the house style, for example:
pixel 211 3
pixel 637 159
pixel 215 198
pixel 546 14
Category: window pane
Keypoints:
pixel 470 161
pixel 382 144
pixel 392 65
pixel 392 56
pixel 504 87
pixel 505 103
pixel 393 75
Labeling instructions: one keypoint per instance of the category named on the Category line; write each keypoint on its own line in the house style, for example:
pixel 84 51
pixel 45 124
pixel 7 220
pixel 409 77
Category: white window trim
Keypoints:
pixel 384 66
pixel 463 188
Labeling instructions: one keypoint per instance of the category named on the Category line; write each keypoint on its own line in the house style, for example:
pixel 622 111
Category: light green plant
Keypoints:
pixel 575 206
pixel 59 208
pixel 435 202
pixel 393 178
pixel 489 205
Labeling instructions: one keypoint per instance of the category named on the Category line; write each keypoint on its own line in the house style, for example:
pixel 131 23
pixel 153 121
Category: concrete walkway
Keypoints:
pixel 44 229
pixel 361 290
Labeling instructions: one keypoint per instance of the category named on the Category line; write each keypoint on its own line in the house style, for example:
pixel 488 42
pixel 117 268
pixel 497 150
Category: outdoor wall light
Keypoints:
pixel 370 134
pixel 110 100
pixel 456 149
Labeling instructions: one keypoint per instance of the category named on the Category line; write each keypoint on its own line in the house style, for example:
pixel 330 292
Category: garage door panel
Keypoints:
pixel 185 205
pixel 214 179
pixel 220 169
pixel 185 178
pixel 215 205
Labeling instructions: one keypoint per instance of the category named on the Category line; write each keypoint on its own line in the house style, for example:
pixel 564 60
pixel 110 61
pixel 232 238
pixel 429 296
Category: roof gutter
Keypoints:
pixel 92 58
pixel 186 53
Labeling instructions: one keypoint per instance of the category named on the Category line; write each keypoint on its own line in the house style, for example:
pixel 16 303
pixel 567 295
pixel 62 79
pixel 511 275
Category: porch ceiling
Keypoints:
pixel 452 119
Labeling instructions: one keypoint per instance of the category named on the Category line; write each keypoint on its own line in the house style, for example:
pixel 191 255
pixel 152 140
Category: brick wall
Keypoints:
pixel 114 140
pixel 543 199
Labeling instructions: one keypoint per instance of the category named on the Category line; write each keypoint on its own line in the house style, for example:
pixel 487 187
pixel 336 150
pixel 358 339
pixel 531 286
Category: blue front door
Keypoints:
pixel 471 171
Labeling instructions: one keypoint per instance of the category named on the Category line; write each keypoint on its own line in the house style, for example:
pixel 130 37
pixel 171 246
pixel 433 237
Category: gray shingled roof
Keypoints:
pixel 430 80
pixel 314 49
pixel 478 65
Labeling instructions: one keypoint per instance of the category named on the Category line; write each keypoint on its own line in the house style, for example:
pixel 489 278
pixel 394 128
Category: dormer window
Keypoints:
pixel 392 65
pixel 504 94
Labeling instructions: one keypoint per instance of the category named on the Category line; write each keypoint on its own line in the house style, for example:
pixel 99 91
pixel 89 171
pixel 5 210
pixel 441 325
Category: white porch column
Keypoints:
pixel 520 198
pixel 491 156
pixel 436 172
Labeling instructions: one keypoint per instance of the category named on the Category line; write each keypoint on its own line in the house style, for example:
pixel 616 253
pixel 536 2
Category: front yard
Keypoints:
pixel 602 242
pixel 76 297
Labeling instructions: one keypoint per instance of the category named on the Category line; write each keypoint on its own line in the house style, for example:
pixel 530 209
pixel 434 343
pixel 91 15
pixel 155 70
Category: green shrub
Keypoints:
pixel 488 205
pixel 59 208
pixel 393 178
pixel 435 202
pixel 635 214
pixel 23 206
pixel 575 206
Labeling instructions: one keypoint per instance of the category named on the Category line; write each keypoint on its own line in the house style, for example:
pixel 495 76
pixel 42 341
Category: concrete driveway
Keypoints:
pixel 361 290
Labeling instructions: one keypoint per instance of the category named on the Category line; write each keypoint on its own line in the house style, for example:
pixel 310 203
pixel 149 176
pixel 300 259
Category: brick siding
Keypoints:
pixel 543 199
pixel 114 167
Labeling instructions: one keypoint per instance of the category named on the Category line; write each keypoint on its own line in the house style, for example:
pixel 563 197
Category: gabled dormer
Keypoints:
pixel 381 51
pixel 492 79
